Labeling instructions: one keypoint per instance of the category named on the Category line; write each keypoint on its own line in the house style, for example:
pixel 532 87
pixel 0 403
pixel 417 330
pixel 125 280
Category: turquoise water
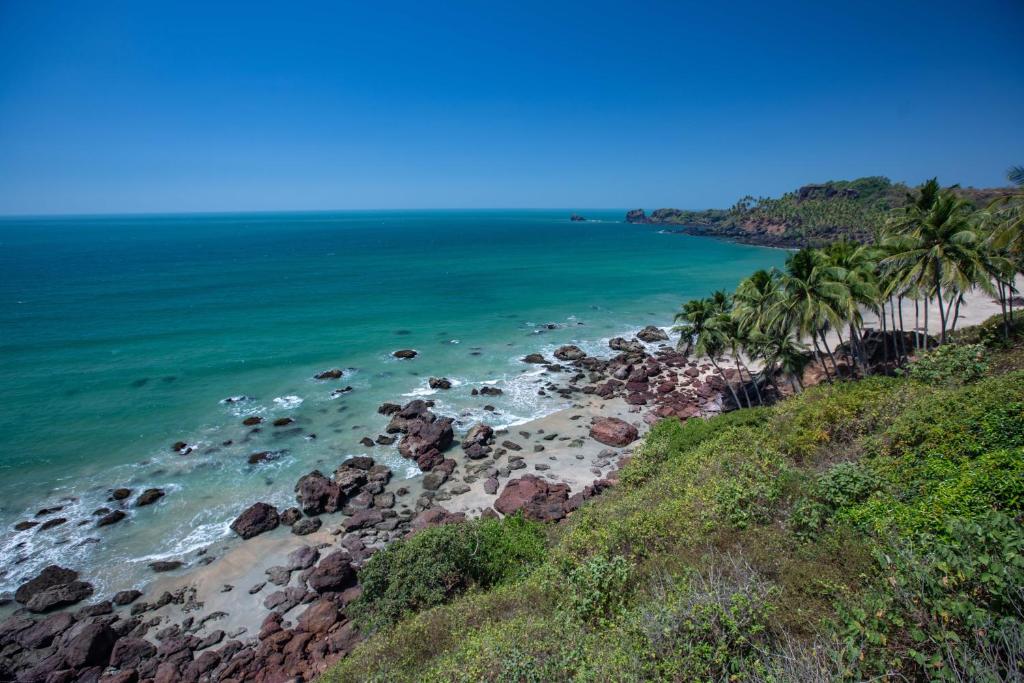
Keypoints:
pixel 120 336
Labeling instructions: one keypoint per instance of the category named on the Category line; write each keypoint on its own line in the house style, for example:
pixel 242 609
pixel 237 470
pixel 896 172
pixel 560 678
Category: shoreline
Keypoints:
pixel 243 592
pixel 226 591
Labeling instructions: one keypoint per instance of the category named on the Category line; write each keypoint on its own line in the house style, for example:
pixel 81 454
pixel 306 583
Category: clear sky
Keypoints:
pixel 129 106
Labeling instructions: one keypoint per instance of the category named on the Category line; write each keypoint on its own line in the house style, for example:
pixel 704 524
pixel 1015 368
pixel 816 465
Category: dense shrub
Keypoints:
pixel 951 364
pixel 434 565
pixel 948 607
pixel 596 589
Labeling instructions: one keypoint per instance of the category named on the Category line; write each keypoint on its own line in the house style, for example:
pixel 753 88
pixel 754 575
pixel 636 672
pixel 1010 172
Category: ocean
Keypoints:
pixel 120 336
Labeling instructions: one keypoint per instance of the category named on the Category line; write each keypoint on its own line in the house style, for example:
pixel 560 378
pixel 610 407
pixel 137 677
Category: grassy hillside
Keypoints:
pixel 813 215
pixel 859 530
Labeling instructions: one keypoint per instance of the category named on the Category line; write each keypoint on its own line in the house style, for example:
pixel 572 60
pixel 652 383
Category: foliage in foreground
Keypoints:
pixel 867 530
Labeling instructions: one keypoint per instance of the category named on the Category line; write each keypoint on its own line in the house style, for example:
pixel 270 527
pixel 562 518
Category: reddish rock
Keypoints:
pixel 612 431
pixel 333 574
pixel 537 498
pixel 255 520
pixel 423 436
pixel 436 516
pixel 89 647
pixel 130 652
pixel 319 617
pixel 317 494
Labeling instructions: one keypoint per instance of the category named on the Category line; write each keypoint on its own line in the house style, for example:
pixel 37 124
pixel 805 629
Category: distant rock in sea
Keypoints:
pixel 576 218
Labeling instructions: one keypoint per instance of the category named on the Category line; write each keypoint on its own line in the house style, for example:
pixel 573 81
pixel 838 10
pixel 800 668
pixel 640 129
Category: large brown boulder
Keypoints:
pixel 319 617
pixel 89 647
pixel 255 520
pixel 537 499
pixel 317 494
pixel 333 574
pixel 424 436
pixel 612 431
pixel 130 652
pixel 652 334
pixel 53 587
pixel 569 352
pixel 479 434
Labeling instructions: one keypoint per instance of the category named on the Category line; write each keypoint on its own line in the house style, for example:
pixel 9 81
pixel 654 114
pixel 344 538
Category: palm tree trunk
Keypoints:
pixel 917 325
pixel 928 301
pixel 821 358
pixel 743 384
pixel 956 312
pixel 885 337
pixel 903 335
pixel 757 389
pixel 735 398
pixel 1002 303
pixel 942 310
pixel 824 342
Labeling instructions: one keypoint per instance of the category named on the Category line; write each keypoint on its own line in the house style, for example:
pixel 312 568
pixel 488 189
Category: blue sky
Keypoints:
pixel 197 106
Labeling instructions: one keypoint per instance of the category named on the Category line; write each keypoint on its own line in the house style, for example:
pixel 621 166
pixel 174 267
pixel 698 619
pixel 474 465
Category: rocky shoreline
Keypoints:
pixel 272 608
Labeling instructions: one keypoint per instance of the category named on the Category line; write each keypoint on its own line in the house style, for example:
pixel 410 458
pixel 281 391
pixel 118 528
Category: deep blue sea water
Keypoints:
pixel 121 335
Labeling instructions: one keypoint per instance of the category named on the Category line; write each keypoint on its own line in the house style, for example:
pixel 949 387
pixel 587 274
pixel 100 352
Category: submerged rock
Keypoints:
pixel 148 497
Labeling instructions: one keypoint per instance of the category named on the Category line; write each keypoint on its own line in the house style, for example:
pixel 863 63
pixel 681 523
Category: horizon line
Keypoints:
pixel 218 212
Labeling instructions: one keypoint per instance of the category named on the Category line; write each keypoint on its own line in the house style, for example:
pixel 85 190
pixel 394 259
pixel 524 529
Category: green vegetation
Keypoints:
pixel 814 215
pixel 859 530
pixel 439 563
pixel 932 251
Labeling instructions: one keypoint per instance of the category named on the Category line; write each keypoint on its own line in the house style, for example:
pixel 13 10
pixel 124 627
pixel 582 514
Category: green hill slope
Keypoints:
pixel 861 530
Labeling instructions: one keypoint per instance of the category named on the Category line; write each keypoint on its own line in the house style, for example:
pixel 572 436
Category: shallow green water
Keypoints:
pixel 120 336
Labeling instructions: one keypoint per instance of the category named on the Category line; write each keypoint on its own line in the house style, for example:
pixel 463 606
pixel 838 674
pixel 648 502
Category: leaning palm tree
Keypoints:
pixel 784 354
pixel 690 322
pixel 712 341
pixel 813 295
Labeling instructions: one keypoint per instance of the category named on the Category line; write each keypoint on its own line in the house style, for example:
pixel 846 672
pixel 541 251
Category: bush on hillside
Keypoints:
pixel 948 607
pixel 951 364
pixel 433 566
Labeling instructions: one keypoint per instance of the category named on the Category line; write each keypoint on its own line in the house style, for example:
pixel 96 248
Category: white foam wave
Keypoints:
pixel 287 402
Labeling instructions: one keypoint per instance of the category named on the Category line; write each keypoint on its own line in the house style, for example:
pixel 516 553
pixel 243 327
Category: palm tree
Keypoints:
pixel 813 295
pixel 856 270
pixel 941 255
pixel 690 322
pixel 711 339
pixel 783 353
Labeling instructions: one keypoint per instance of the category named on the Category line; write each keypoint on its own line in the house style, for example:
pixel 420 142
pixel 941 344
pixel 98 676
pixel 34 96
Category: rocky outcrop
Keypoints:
pixel 569 352
pixel 255 520
pixel 317 494
pixel 652 334
pixel 53 587
pixel 333 373
pixel 576 218
pixel 636 216
pixel 538 499
pixel 611 431
pixel 405 354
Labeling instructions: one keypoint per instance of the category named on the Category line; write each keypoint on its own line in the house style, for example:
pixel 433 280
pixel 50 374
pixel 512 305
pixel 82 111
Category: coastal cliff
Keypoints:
pixel 812 215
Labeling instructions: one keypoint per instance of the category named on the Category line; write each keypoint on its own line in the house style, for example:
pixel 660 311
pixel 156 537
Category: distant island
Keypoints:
pixel 814 215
